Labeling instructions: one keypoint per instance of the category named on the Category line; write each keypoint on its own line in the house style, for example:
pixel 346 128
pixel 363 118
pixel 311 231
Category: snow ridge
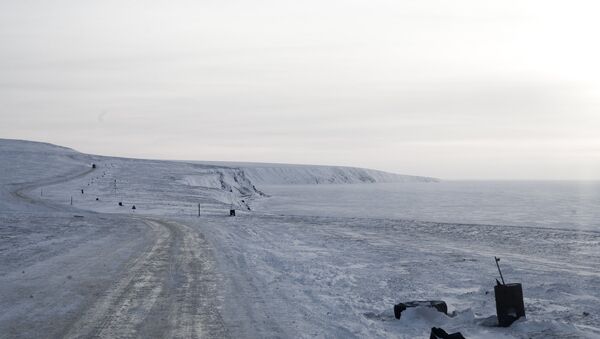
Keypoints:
pixel 305 175
pixel 288 174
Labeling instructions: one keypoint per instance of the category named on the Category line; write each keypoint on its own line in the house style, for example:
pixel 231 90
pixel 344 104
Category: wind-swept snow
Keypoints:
pixel 99 269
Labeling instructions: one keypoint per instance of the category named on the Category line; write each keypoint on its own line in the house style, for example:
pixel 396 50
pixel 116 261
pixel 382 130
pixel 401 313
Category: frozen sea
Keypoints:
pixel 552 204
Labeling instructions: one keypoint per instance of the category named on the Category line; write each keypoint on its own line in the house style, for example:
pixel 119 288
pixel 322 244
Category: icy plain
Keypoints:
pixel 92 268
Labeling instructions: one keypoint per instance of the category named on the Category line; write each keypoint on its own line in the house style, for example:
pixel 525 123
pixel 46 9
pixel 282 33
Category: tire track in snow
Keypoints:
pixel 195 311
pixel 117 313
pixel 169 291
pixel 20 191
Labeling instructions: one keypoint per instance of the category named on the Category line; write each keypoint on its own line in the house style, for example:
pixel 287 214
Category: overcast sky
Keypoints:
pixel 453 89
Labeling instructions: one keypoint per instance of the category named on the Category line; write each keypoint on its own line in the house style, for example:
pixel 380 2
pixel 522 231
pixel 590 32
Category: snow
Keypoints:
pixel 54 265
pixel 342 276
pixel 163 271
pixel 549 204
pixel 287 174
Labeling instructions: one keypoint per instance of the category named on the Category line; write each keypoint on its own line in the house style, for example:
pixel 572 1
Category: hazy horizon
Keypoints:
pixel 453 90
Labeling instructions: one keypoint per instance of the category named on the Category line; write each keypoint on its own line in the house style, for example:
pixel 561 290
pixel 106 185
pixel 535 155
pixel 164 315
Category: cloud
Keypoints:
pixel 395 85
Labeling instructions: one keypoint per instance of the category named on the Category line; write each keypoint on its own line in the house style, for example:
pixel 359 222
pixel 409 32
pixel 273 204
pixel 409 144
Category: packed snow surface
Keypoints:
pixel 77 264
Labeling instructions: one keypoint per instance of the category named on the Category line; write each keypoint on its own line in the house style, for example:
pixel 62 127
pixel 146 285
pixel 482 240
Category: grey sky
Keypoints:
pixel 453 89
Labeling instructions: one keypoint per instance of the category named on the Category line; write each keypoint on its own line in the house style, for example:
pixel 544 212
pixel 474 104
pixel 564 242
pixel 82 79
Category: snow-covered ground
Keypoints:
pixel 548 204
pixel 95 268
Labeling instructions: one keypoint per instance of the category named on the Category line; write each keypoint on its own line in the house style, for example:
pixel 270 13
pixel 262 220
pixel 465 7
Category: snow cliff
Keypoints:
pixel 286 174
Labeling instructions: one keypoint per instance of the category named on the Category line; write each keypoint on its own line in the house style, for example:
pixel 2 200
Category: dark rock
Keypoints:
pixel 437 304
pixel 438 333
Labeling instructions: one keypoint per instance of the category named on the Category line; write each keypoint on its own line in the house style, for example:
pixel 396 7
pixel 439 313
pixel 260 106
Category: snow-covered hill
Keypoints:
pixel 288 174
pixel 23 160
pixel 282 175
pixel 209 183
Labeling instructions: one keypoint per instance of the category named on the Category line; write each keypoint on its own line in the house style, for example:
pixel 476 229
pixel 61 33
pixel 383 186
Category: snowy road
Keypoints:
pixel 163 286
pixel 168 291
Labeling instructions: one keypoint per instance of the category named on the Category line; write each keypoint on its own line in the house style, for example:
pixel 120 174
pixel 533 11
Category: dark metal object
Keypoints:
pixel 509 303
pixel 437 304
pixel 232 213
pixel 439 333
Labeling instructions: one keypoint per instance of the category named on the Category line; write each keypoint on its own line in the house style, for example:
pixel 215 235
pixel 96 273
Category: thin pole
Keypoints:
pixel 71 200
pixel 501 277
pixel 198 209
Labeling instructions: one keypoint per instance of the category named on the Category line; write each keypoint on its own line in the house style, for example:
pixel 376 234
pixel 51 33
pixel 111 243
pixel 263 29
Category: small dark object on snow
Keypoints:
pixel 82 191
pixel 509 303
pixel 133 207
pixel 93 165
pixel 437 304
pixel 78 216
pixel 97 199
pixel 438 333
pixel 232 213
pixel 120 203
